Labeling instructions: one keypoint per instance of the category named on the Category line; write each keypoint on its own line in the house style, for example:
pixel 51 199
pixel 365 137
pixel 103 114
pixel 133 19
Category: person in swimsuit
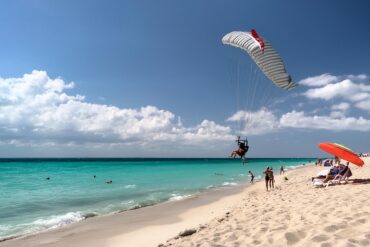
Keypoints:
pixel 282 170
pixel 271 178
pixel 252 177
pixel 267 178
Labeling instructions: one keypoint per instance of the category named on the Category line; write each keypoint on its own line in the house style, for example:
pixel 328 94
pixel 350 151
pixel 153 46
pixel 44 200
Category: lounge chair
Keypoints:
pixel 339 178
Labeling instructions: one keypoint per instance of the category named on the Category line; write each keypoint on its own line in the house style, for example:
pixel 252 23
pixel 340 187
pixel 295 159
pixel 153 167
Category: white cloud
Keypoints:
pixel 341 106
pixel 320 80
pixel 345 89
pixel 264 121
pixel 300 120
pixel 351 88
pixel 207 130
pixel 255 123
pixel 365 105
pixel 360 77
pixel 35 108
pixel 337 114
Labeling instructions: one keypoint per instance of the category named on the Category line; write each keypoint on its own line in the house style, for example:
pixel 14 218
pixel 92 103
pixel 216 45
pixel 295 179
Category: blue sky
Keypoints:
pixel 152 78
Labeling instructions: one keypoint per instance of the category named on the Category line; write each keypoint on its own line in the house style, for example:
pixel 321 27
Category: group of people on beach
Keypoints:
pixel 338 169
pixel 269 177
pixel 328 162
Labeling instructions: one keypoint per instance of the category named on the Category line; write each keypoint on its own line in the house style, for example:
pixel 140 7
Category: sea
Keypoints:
pixel 41 194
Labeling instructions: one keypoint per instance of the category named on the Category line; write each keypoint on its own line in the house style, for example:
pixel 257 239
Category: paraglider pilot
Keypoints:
pixel 242 150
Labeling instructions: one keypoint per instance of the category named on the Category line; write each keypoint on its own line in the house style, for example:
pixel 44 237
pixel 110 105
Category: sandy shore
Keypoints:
pixel 294 214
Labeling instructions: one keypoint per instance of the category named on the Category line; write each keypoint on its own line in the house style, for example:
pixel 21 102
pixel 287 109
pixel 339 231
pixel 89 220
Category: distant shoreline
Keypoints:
pixel 135 159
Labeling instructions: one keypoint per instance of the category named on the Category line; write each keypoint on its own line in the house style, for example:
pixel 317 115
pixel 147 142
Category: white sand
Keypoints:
pixel 294 214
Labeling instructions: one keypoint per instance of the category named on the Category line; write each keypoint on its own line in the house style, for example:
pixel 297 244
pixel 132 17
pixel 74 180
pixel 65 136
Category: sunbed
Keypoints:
pixel 339 178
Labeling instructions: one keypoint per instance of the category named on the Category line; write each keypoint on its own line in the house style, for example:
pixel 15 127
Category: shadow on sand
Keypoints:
pixel 360 181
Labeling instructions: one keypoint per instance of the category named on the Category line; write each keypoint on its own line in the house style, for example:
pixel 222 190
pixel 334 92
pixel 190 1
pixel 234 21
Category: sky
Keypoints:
pixel 153 79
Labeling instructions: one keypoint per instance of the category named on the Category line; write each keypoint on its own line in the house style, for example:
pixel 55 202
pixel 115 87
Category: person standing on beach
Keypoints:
pixel 252 176
pixel 271 178
pixel 282 170
pixel 267 178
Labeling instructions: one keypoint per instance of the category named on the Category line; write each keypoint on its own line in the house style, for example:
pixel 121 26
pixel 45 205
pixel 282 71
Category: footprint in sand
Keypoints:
pixel 331 228
pixel 362 221
pixel 364 242
pixel 352 241
pixel 294 237
pixel 358 214
pixel 216 239
pixel 320 238
pixel 232 237
pixel 324 215
pixel 256 242
pixel 263 229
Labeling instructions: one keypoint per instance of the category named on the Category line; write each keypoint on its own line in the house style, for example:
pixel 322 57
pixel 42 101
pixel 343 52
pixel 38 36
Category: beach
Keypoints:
pixel 295 213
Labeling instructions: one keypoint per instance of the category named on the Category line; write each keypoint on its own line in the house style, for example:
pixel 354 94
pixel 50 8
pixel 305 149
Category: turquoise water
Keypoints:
pixel 31 203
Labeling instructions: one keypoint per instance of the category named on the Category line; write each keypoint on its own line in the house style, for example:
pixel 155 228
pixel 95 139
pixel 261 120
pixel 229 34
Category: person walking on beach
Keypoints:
pixel 282 170
pixel 252 177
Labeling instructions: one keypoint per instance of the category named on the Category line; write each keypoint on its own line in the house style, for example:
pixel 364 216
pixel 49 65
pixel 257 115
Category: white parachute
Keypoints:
pixel 264 55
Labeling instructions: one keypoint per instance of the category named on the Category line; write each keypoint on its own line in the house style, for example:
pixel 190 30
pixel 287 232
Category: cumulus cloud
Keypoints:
pixel 341 106
pixel 365 105
pixel 301 120
pixel 320 80
pixel 36 108
pixel 256 123
pixel 351 88
pixel 345 89
pixel 265 121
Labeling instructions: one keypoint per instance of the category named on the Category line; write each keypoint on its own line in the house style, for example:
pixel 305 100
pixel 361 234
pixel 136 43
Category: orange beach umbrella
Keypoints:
pixel 341 152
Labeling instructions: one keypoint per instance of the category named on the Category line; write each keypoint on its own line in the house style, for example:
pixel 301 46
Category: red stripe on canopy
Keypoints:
pixel 259 39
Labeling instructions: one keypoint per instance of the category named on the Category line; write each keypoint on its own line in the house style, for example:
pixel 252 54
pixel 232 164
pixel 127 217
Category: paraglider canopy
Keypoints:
pixel 265 56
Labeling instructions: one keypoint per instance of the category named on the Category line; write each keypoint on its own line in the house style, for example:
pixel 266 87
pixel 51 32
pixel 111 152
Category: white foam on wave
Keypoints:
pixel 40 225
pixel 57 221
pixel 130 186
pixel 293 167
pixel 128 202
pixel 176 197
pixel 229 184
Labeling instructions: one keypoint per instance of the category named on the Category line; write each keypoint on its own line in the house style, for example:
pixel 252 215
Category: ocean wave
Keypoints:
pixel 128 202
pixel 293 167
pixel 57 221
pixel 40 225
pixel 176 197
pixel 130 186
pixel 89 215
pixel 229 184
